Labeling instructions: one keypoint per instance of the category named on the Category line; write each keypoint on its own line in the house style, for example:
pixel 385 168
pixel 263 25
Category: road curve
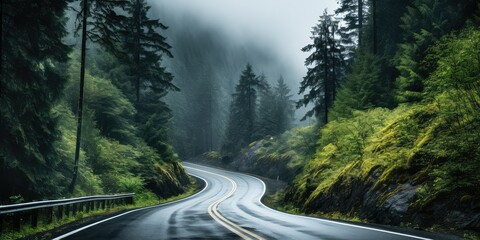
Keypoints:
pixel 228 207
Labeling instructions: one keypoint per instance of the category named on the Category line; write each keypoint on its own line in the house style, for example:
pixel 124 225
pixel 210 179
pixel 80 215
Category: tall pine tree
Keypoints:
pixel 266 123
pixel 241 125
pixel 326 60
pixel 284 107
pixel 354 14
pixel 143 48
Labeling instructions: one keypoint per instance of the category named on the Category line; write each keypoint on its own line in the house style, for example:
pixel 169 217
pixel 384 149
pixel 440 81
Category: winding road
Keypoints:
pixel 228 207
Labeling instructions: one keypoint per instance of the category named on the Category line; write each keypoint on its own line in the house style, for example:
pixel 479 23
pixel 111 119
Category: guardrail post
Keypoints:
pixel 74 209
pixel 34 218
pixel 16 222
pixel 49 214
pixel 67 210
pixel 1 223
pixel 60 212
pixel 87 207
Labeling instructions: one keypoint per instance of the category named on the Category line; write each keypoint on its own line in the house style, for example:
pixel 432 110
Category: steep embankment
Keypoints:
pixel 411 166
pixel 404 166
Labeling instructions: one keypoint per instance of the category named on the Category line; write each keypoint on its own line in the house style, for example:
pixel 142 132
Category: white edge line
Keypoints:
pixel 317 219
pixel 331 221
pixel 131 211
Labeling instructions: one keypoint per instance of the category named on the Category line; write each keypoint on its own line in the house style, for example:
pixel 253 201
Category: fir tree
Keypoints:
pixel 241 125
pixel 326 59
pixel 284 107
pixel 267 122
pixel 144 47
pixel 354 12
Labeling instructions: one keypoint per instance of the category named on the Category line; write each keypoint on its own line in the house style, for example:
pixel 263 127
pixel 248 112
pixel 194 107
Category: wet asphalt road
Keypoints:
pixel 229 208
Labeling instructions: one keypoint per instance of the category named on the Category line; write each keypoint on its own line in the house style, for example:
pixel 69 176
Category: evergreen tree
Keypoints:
pixel 354 15
pixel 284 107
pixel 275 110
pixel 241 125
pixel 424 22
pixel 363 88
pixel 322 78
pixel 31 83
pixel 267 122
pixel 144 47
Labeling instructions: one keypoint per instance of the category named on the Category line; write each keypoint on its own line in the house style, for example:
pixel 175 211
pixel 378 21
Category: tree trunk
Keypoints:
pixel 374 16
pixel 1 42
pixel 325 81
pixel 360 21
pixel 138 19
pixel 334 72
pixel 80 97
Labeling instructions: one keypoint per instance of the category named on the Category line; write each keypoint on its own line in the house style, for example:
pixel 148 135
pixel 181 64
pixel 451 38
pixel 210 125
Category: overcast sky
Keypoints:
pixel 280 25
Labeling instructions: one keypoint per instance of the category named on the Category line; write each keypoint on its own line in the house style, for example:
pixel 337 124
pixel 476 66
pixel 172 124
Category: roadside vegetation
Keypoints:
pixel 415 165
pixel 397 104
pixel 142 199
pixel 123 143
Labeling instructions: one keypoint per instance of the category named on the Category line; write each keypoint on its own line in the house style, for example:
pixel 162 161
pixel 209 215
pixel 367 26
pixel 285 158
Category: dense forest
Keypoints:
pixel 395 89
pixel 207 67
pixel 105 97
pixel 102 62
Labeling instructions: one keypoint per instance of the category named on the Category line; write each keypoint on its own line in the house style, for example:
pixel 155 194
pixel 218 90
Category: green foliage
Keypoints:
pixel 423 24
pixel 291 149
pixel 32 53
pixel 363 88
pixel 144 47
pixel 432 145
pixel 457 77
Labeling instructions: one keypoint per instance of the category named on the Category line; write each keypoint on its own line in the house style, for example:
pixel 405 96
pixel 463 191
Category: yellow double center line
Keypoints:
pixel 212 210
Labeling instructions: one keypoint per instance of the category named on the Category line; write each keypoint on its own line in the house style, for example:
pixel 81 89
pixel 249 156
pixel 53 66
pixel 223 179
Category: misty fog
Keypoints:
pixel 212 43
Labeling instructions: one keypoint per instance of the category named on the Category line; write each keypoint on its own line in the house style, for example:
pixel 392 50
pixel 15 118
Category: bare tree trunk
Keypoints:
pixel 138 11
pixel 325 81
pixel 360 21
pixel 374 16
pixel 80 98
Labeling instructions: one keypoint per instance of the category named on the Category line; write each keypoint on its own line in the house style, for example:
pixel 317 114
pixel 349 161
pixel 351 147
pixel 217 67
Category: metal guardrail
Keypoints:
pixel 48 211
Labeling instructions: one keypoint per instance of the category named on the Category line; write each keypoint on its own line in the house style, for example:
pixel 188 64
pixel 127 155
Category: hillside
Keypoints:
pixel 416 165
